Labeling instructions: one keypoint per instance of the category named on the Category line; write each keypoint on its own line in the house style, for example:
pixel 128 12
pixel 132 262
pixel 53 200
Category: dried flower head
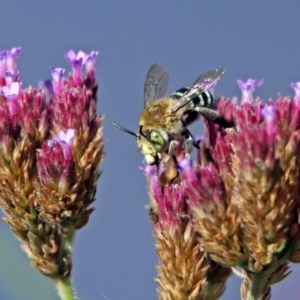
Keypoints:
pixel 241 194
pixel 51 147
pixel 184 271
pixel 246 200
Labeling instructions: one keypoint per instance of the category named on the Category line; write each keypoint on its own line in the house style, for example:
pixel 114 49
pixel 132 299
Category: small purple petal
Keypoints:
pixel 46 85
pixel 296 87
pixel 3 55
pixel 76 60
pixel 50 143
pixel 10 77
pixel 149 170
pixel 91 58
pixel 184 164
pixel 65 137
pixel 11 92
pixel 269 113
pixel 250 85
pixel 57 73
pixel 15 52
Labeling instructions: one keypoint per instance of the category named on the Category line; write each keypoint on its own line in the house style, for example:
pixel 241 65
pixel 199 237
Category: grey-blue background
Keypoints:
pixel 114 256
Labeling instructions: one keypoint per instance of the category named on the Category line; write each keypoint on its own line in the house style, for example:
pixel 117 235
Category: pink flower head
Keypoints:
pixel 171 202
pixel 34 114
pixel 204 188
pixel 76 107
pixel 248 87
pixel 55 161
pixel 11 93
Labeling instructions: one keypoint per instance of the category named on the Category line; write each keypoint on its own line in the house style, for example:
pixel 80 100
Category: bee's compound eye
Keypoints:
pixel 157 141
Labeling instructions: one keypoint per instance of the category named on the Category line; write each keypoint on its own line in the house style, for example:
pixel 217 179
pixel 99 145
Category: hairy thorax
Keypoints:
pixel 156 116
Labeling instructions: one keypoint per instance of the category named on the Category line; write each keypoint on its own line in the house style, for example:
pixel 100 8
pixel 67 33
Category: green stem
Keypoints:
pixel 258 284
pixel 65 289
pixel 209 295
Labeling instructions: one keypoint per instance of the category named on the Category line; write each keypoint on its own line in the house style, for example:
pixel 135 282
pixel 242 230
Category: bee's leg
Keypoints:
pixel 214 116
pixel 172 146
pixel 189 143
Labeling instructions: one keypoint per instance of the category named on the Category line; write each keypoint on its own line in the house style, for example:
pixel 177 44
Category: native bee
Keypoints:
pixel 163 119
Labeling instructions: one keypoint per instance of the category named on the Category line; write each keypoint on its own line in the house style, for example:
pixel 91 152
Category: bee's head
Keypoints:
pixel 151 143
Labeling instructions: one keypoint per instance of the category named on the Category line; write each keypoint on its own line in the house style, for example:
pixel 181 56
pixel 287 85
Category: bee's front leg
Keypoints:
pixel 188 146
pixel 189 143
pixel 172 146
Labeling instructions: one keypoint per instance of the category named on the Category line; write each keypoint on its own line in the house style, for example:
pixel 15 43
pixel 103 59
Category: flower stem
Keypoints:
pixel 258 286
pixel 65 289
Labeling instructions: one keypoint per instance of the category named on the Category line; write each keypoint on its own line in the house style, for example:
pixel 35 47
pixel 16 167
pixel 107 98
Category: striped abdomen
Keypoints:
pixel 201 98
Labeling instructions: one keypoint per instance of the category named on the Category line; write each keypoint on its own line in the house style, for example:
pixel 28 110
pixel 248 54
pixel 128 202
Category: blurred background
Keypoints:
pixel 114 256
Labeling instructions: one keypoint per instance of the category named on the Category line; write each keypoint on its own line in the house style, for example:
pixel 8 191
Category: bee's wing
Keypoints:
pixel 156 83
pixel 203 83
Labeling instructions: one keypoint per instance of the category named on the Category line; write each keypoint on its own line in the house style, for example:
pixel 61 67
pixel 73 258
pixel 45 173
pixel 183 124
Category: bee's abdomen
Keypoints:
pixel 178 94
pixel 204 98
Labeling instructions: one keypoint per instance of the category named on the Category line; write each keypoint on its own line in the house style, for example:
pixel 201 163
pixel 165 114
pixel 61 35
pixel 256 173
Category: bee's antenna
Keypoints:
pixel 124 129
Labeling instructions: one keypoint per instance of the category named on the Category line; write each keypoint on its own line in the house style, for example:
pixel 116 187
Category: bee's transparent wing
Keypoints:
pixel 156 83
pixel 203 83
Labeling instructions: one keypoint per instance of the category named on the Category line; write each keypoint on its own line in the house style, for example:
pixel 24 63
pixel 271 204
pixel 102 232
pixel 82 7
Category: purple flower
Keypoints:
pixel 149 170
pixel 76 60
pixel 171 202
pixel 12 92
pixel 91 58
pixel 296 87
pixel 11 57
pixel 47 86
pixel 248 87
pixel 15 52
pixel 57 75
pixel 56 165
pixel 184 164
pixel 90 64
pixel 269 114
pixel 3 54
pixel 3 61
pixel 65 137
pixel 10 77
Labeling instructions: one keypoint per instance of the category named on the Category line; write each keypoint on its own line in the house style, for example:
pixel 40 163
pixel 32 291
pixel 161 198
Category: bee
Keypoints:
pixel 166 118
